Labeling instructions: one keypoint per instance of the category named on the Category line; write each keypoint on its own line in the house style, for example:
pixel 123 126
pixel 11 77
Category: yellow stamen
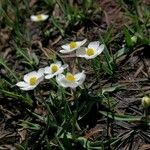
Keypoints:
pixel 33 80
pixel 90 51
pixel 70 77
pixel 73 45
pixel 54 68
pixel 39 17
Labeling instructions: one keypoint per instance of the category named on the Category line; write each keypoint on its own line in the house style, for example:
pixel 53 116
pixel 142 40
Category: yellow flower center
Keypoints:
pixel 54 68
pixel 73 45
pixel 39 17
pixel 33 80
pixel 90 51
pixel 70 77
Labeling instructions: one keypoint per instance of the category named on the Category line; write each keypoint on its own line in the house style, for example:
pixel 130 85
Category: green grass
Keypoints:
pixel 89 117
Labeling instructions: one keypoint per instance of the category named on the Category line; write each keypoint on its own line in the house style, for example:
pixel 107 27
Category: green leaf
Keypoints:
pixel 17 96
pixel 3 63
pixel 121 117
pixel 35 58
pixel 106 68
pixel 110 89
pixel 128 38
pixel 29 125
pixel 90 145
pixel 119 53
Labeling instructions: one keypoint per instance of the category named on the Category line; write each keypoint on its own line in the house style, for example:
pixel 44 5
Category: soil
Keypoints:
pixel 132 74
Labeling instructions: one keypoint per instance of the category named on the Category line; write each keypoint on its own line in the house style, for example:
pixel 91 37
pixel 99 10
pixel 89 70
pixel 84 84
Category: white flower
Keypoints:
pixel 31 80
pixel 54 69
pixel 70 80
pixel 38 18
pixel 93 50
pixel 72 46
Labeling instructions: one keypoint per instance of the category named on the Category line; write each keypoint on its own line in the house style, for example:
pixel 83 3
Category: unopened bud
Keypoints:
pixel 146 101
pixel 134 39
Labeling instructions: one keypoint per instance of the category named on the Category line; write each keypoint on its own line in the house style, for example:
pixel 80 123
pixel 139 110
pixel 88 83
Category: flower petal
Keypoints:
pixel 80 43
pixel 28 88
pixel 64 66
pixel 41 71
pixel 64 83
pixel 80 75
pixel 40 79
pixel 73 85
pixel 94 45
pixel 67 50
pixel 47 70
pixel 81 52
pixel 90 57
pixel 44 17
pixel 66 47
pixel 59 71
pixel 100 49
pixel 58 63
pixel 29 75
pixel 49 76
pixel 82 79
pixel 59 80
pixel 33 18
pixel 37 18
pixel 22 84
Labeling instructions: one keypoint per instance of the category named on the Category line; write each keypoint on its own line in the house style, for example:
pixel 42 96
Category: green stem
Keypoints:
pixel 76 112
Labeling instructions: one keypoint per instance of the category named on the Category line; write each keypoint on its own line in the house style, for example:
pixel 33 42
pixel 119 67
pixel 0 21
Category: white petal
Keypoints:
pixel 35 18
pixel 40 75
pixel 66 46
pixel 49 76
pixel 29 75
pixel 63 82
pixel 94 45
pixel 58 63
pixel 41 71
pixel 80 75
pixel 82 79
pixel 28 88
pixel 81 52
pixel 22 84
pixel 100 49
pixel 73 85
pixel 90 57
pixel 47 70
pixel 40 79
pixel 80 43
pixel 67 51
pixel 45 16
pixel 59 71
pixel 59 80
pixel 64 66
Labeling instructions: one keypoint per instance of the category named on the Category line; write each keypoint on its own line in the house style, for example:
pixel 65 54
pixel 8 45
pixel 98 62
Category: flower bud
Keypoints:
pixel 146 101
pixel 134 39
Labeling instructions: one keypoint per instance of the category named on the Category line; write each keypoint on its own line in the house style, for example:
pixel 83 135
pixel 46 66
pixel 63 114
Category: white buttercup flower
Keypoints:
pixel 93 50
pixel 38 18
pixel 54 69
pixel 67 48
pixel 71 80
pixel 31 80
